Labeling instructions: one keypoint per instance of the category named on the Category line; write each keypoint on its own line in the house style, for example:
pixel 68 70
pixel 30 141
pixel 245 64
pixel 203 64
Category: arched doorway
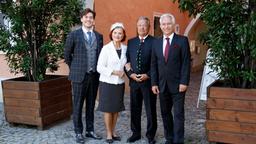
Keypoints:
pixel 198 50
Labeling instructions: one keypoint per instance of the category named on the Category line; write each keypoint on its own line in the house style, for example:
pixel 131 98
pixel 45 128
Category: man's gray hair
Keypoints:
pixel 167 15
pixel 144 18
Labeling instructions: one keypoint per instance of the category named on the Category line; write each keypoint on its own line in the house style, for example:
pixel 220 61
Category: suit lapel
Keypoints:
pixel 172 42
pixel 114 52
pixel 123 53
pixel 171 47
pixel 161 48
pixel 97 40
pixel 82 37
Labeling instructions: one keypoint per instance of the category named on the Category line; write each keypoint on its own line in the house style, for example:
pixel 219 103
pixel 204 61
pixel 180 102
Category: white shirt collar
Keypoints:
pixel 86 30
pixel 143 37
pixel 170 36
pixel 164 41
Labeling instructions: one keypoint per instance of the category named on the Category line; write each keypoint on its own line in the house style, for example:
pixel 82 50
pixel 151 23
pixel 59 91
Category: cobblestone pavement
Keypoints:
pixel 62 133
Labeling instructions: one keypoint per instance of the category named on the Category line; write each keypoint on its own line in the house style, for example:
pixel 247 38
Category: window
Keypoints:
pixel 177 28
pixel 157 30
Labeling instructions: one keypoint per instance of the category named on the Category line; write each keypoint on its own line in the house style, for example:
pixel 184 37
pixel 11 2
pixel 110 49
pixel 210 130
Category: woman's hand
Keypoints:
pixel 127 66
pixel 118 73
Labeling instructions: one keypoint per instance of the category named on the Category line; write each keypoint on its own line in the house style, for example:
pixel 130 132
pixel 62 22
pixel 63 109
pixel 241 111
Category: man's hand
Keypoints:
pixel 182 88
pixel 143 77
pixel 139 77
pixel 133 76
pixel 155 90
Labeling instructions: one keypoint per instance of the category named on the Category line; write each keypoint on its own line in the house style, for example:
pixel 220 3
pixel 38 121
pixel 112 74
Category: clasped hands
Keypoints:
pixel 139 77
pixel 134 76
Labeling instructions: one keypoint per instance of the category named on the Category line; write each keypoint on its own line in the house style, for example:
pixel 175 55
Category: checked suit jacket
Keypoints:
pixel 75 53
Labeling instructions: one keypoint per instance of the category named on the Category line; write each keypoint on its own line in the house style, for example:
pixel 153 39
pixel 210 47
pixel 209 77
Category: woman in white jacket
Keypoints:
pixel 111 64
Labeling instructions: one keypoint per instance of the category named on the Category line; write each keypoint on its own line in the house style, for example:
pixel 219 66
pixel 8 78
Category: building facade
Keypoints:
pixel 127 12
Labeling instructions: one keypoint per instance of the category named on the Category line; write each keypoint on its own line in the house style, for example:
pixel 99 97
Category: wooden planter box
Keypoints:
pixel 231 115
pixel 37 103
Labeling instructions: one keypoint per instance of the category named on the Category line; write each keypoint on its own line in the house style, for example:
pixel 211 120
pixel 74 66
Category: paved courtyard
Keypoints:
pixel 62 132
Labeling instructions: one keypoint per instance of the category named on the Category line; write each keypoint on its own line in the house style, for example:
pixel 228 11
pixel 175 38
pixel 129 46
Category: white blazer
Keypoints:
pixel 109 61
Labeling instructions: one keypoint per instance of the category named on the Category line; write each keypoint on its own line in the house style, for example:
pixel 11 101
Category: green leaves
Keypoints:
pixel 231 36
pixel 37 33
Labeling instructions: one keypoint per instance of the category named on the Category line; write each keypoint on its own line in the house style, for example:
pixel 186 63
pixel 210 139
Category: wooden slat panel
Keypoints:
pixel 24 119
pixel 22 103
pixel 64 114
pixel 55 108
pixel 55 82
pixel 22 111
pixel 232 93
pixel 24 85
pixel 20 94
pixel 235 116
pixel 55 91
pixel 214 136
pixel 229 104
pixel 56 99
pixel 234 127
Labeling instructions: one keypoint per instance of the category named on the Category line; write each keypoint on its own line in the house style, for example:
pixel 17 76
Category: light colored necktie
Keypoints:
pixel 89 37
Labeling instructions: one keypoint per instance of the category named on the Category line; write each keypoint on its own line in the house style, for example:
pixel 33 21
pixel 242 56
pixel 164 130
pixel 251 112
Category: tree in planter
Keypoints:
pixel 230 35
pixel 38 28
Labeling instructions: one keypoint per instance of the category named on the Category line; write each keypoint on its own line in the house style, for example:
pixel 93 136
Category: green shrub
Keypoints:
pixel 38 28
pixel 230 34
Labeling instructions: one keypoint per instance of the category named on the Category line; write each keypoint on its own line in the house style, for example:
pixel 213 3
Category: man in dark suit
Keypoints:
pixel 139 58
pixel 81 53
pixel 170 73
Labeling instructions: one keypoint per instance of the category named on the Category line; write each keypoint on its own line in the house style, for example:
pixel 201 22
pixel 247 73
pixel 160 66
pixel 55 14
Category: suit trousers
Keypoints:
pixel 86 90
pixel 138 95
pixel 172 111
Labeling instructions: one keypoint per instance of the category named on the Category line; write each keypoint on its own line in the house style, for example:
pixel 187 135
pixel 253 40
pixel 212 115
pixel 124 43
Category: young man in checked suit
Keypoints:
pixel 81 53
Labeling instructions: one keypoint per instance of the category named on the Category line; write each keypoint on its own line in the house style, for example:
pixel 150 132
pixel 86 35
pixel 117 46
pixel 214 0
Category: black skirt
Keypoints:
pixel 111 97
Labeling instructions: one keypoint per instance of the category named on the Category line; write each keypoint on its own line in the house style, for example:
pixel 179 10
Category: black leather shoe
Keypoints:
pixel 116 138
pixel 151 141
pixel 92 134
pixel 80 138
pixel 168 142
pixel 110 141
pixel 133 138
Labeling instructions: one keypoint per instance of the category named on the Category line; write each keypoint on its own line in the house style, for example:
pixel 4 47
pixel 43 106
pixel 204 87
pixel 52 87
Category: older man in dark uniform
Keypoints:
pixel 138 57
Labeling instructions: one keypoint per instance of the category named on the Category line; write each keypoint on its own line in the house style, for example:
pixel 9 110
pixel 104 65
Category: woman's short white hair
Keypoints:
pixel 167 15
